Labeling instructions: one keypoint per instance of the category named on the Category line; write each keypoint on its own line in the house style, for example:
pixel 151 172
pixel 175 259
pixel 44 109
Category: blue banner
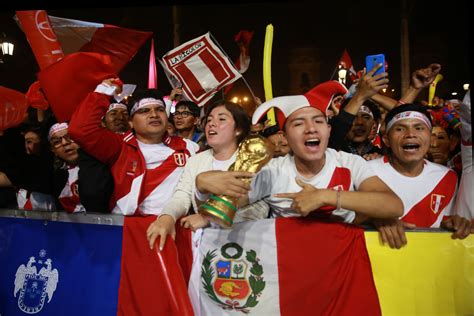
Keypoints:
pixel 58 268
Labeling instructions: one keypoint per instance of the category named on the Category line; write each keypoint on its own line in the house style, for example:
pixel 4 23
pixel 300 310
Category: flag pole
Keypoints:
pixel 230 60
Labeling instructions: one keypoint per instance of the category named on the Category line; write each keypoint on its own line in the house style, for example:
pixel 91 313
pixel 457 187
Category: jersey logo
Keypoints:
pixel 436 202
pixel 179 159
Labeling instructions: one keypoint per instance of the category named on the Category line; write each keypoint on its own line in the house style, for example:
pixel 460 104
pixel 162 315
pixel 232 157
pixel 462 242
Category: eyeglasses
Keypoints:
pixel 57 142
pixel 183 114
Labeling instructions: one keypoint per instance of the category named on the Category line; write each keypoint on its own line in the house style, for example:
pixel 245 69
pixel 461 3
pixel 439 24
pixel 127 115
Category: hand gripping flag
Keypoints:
pixel 201 67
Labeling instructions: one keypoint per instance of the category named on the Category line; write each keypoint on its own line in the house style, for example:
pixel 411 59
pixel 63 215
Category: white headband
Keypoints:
pixel 407 115
pixel 56 128
pixel 148 101
pixel 114 106
pixel 367 110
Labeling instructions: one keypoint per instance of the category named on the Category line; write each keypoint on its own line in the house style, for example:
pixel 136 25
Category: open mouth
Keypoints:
pixel 155 123
pixel 211 133
pixel 410 147
pixel 312 142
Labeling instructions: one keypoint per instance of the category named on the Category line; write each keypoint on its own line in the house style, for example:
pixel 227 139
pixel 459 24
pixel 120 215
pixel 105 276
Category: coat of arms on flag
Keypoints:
pixel 201 67
pixel 233 281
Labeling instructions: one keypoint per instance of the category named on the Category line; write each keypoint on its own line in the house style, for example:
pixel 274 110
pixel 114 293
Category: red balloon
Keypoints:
pixel 13 106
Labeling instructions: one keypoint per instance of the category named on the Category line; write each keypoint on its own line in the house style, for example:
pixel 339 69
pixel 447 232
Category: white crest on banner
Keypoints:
pixel 35 287
pixel 200 67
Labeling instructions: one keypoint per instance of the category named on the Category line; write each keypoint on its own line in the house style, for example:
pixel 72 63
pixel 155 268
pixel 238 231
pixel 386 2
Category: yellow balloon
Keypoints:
pixel 267 71
pixel 431 92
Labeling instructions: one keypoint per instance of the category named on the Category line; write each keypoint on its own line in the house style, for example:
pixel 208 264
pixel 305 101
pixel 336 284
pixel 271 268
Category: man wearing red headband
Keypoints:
pixel 146 163
pixel 427 189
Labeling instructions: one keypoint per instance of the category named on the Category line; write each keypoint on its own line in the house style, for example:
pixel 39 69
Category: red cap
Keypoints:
pixel 319 97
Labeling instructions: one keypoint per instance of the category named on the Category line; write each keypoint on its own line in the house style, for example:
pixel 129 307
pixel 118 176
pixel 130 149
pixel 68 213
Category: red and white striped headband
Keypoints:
pixel 56 128
pixel 408 115
pixel 114 106
pixel 367 110
pixel 148 101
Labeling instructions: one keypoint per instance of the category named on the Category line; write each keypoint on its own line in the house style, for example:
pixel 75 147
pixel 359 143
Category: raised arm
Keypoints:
pixel 85 128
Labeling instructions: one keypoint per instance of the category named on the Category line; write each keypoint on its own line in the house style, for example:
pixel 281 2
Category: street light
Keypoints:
pixel 7 47
pixel 465 86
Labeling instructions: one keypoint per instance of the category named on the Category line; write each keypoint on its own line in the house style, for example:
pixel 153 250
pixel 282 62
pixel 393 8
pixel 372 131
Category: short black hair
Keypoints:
pixel 408 107
pixel 374 108
pixel 193 107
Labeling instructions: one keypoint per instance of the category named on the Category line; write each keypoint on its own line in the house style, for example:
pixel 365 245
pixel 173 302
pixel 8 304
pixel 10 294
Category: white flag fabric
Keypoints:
pixel 201 67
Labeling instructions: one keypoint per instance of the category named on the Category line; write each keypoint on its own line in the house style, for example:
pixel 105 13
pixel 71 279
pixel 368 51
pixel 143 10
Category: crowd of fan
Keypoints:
pixel 354 156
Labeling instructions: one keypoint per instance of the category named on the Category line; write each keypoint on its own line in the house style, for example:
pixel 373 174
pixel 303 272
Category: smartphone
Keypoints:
pixel 372 61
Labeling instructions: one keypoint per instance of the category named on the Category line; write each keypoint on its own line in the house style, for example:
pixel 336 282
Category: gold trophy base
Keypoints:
pixel 219 209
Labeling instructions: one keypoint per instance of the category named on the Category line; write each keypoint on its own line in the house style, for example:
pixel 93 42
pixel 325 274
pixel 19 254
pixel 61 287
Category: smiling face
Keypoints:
pixel 150 123
pixel 307 133
pixel 409 142
pixel 220 128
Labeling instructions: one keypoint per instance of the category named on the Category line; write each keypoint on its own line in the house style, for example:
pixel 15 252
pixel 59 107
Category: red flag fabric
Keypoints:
pixel 13 107
pixel 152 78
pixel 35 97
pixel 201 67
pixel 67 82
pixel 151 283
pixel 121 44
pixel 243 39
pixel 41 37
pixel 283 266
pixel 346 63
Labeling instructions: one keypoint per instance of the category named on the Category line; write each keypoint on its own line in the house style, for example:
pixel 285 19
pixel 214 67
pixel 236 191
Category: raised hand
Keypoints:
pixel 422 78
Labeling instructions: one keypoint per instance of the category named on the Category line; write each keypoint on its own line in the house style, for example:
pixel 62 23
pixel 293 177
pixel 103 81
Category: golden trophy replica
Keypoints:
pixel 253 153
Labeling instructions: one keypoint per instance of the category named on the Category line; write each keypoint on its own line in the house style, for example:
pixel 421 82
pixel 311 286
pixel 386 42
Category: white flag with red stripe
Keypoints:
pixel 201 67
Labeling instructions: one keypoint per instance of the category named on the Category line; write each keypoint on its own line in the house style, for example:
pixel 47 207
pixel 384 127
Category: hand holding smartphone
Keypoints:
pixel 371 61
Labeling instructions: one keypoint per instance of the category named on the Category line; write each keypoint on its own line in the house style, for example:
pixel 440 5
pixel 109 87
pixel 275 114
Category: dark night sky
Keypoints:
pixel 437 34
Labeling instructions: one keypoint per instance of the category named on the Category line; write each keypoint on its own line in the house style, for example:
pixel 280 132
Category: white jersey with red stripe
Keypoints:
pixel 341 171
pixel 426 198
pixel 164 168
pixel 69 196
pixel 28 200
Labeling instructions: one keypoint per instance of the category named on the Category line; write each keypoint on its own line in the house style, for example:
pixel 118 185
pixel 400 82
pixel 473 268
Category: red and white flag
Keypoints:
pixel 201 67
pixel 346 63
pixel 284 266
pixel 80 53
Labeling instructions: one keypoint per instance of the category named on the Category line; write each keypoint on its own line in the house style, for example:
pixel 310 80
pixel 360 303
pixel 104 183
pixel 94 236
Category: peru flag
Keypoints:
pixel 346 63
pixel 201 67
pixel 284 266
